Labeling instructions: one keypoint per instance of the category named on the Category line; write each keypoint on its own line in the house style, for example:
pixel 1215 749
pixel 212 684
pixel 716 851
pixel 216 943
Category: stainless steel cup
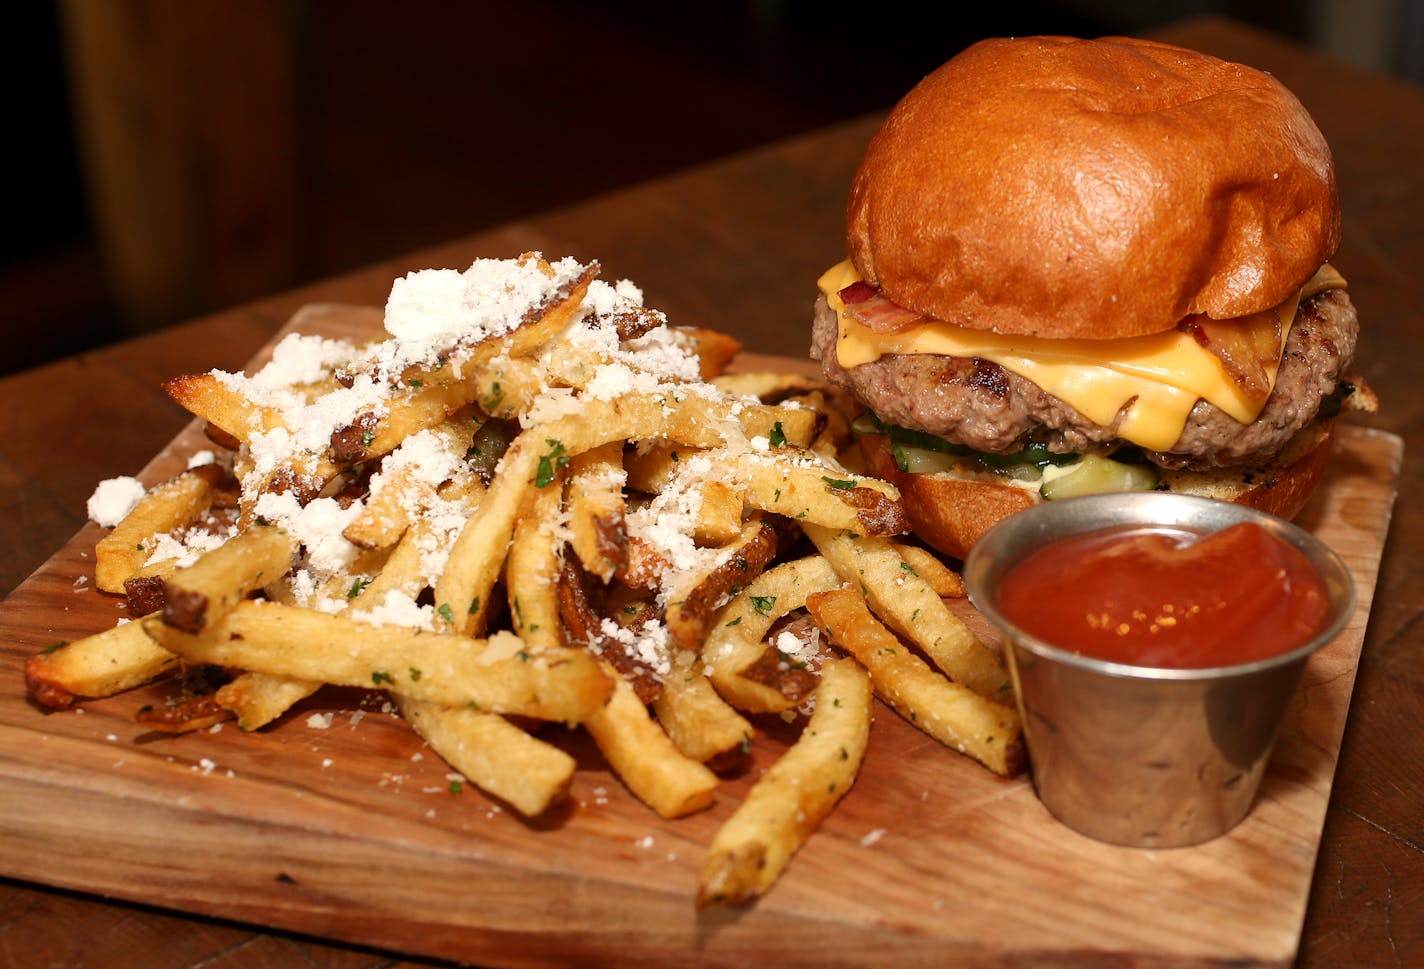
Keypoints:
pixel 1137 755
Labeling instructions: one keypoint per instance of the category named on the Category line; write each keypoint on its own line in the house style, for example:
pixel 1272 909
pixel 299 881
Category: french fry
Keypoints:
pixel 653 465
pixel 897 593
pixel 795 426
pixel 431 470
pixel 256 699
pixel 713 348
pixel 534 459
pixel 645 759
pixel 493 754
pixel 735 645
pixel 209 397
pixel 203 592
pixel 598 532
pixel 719 513
pixel 401 493
pixel 946 583
pixel 508 386
pixel 700 723
pixel 957 717
pixel 795 795
pixel 585 627
pixel 495 675
pixel 696 596
pixel 437 396
pixel 100 665
pixel 532 572
pixel 404 571
pixel 811 492
pixel 121 554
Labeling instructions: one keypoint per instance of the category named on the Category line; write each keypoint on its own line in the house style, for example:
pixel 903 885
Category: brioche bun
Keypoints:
pixel 1055 187
pixel 951 512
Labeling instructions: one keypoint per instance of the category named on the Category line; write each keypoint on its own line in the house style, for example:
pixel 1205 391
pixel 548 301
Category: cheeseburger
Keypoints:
pixel 1091 265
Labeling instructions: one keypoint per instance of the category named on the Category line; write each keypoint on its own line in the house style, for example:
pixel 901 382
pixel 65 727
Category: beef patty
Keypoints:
pixel 979 404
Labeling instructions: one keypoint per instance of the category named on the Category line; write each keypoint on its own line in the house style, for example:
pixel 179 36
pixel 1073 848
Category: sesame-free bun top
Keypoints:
pixel 1055 187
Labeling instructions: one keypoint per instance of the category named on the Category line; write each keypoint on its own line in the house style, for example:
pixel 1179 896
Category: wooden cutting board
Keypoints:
pixel 350 831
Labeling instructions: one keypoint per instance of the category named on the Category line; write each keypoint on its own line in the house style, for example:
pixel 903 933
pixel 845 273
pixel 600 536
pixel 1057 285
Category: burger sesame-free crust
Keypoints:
pixel 1069 188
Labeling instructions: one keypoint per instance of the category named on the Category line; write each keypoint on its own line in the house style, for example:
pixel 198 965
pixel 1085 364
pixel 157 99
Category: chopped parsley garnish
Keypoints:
pixel 550 464
pixel 838 483
pixel 492 402
pixel 446 613
pixel 456 787
pixel 357 585
pixel 381 676
pixel 778 436
pixel 415 675
pixel 763 604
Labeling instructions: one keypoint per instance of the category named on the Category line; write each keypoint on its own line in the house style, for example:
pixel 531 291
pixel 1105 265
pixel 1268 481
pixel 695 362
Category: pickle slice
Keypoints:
pixel 1095 475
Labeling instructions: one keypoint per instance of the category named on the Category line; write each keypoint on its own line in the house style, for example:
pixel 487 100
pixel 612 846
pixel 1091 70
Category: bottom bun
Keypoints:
pixel 950 512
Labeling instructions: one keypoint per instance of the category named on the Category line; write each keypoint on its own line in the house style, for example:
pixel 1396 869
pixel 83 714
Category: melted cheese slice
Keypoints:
pixel 1158 378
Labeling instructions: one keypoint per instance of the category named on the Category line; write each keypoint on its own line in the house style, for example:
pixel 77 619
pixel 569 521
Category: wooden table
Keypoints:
pixel 738 245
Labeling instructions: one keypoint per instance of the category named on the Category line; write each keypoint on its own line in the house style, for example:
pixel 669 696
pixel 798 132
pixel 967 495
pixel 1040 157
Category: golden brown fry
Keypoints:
pixel 654 465
pixel 791 799
pixel 209 397
pixel 493 754
pixel 957 717
pixel 946 583
pixel 400 494
pixel 256 699
pixel 508 386
pixel 497 675
pixel 535 459
pixel 713 348
pixel 697 596
pixel 719 513
pixel 735 639
pixel 701 724
pixel 598 531
pixel 101 665
pixel 809 491
pixel 645 759
pixel 913 609
pixel 121 554
pixel 203 592
pixel 531 572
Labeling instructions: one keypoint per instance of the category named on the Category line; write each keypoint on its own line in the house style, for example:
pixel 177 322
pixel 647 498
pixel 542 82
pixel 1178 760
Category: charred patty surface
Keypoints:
pixel 979 404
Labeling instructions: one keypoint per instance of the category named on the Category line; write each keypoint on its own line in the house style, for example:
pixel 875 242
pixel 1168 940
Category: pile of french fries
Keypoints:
pixel 578 517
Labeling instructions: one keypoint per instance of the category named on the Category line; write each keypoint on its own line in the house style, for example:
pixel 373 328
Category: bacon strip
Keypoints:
pixel 1245 349
pixel 868 307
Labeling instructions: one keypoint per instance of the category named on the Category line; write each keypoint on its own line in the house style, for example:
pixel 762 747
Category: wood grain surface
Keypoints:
pixel 349 830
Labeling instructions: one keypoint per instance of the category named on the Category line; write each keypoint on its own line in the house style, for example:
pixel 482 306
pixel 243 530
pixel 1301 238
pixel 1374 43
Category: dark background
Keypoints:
pixel 400 124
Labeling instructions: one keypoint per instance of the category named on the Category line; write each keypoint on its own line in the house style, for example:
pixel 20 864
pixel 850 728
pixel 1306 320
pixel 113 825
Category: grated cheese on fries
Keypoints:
pixel 535 498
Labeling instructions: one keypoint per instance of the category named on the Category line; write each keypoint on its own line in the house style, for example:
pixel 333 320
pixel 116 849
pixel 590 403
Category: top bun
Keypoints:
pixel 1054 187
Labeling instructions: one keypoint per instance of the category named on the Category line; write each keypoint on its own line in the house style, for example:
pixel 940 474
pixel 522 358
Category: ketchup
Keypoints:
pixel 1168 597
